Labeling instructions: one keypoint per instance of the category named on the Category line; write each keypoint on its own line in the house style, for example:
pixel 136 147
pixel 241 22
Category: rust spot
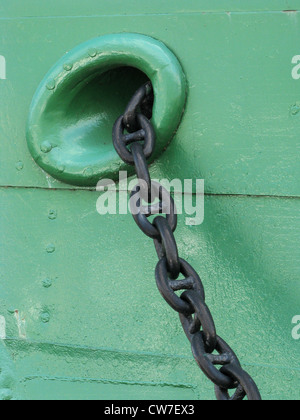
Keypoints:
pixel 290 11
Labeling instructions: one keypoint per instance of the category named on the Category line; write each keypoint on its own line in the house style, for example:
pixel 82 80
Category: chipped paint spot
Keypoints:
pixel 229 16
pixel 49 181
pixel 21 324
pixel 2 328
pixel 292 15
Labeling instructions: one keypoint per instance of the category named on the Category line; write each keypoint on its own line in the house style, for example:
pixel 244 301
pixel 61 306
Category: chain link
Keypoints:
pixel 209 350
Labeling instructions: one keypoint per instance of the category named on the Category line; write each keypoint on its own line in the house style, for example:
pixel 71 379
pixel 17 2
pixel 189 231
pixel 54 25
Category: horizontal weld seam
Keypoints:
pixel 94 190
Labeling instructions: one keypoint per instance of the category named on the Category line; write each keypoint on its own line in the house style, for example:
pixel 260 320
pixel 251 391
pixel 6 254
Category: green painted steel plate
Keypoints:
pixel 80 314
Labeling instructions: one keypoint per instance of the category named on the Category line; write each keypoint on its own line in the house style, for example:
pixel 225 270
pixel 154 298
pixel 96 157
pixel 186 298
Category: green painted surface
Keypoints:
pixel 83 316
pixel 54 8
pixel 102 318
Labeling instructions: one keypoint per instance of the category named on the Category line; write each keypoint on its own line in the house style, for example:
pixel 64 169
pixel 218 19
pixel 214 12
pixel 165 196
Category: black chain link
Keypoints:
pixel 135 148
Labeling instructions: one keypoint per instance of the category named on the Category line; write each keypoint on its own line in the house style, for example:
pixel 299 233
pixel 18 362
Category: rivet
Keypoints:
pixel 19 166
pixel 295 109
pixel 45 317
pixel 50 249
pixel 47 283
pixel 52 214
pixel 68 66
pixel 92 52
pixel 11 311
pixel 46 147
pixel 51 84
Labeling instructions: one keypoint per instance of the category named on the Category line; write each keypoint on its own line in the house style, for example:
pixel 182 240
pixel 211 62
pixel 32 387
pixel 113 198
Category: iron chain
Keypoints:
pixel 135 147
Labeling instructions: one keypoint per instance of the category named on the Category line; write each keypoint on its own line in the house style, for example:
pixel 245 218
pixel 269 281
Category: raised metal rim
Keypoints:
pixel 107 52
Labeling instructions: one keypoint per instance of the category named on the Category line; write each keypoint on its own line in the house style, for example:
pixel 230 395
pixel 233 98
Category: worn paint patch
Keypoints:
pixel 7 373
pixel 21 324
pixel 2 328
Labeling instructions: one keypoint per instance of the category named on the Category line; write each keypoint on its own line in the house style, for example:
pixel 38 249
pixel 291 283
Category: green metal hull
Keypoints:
pixel 81 317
